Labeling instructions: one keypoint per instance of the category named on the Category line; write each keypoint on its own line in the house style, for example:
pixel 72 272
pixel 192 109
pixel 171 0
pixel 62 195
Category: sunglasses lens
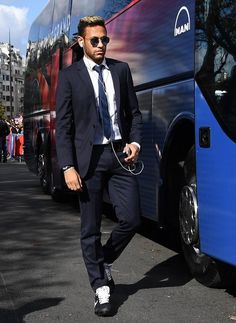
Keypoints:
pixel 105 40
pixel 95 41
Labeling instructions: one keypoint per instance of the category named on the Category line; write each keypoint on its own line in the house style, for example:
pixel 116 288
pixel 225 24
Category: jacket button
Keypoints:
pixel 94 126
pixel 91 143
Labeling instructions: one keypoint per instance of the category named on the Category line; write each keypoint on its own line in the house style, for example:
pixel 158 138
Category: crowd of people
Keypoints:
pixel 11 139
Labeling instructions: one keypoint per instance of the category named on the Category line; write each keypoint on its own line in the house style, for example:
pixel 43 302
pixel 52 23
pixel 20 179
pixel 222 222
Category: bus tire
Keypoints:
pixel 205 269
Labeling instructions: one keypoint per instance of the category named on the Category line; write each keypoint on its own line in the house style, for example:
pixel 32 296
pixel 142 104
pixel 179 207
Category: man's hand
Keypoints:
pixel 73 180
pixel 132 152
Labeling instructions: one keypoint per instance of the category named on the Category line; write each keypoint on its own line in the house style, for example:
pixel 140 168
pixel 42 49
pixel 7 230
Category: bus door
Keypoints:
pixel 215 112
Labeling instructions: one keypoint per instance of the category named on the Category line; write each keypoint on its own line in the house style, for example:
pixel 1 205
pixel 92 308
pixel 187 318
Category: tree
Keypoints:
pixel 215 36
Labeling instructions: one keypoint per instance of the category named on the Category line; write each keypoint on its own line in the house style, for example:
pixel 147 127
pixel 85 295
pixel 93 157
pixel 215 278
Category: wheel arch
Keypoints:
pixel 180 138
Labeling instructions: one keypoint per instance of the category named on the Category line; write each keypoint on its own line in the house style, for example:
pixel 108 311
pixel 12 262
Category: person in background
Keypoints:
pixel 4 132
pixel 97 120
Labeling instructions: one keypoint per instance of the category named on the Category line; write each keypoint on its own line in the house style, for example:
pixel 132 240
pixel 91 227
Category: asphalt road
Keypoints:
pixel 43 278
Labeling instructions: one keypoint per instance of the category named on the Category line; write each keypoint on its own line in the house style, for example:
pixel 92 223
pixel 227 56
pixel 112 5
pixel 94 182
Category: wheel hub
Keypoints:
pixel 188 215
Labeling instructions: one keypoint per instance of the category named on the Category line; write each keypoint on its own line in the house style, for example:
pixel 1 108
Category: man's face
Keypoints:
pixel 96 52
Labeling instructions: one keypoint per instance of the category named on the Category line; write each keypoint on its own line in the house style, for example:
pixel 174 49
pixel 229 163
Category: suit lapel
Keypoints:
pixel 84 75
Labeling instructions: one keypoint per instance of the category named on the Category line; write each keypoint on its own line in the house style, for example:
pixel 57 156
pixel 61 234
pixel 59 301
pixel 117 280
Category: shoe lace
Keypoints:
pixel 103 294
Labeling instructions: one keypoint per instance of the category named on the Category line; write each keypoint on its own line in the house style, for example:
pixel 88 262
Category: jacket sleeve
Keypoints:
pixel 134 114
pixel 64 121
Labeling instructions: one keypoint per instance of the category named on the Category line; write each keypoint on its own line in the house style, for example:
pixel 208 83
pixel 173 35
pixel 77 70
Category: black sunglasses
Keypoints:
pixel 95 41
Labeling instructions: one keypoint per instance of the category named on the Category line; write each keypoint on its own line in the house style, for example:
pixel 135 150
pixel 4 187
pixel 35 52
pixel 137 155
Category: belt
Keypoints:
pixel 117 145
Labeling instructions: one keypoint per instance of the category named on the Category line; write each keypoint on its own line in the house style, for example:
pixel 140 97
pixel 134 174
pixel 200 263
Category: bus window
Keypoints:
pixel 216 66
pixel 106 9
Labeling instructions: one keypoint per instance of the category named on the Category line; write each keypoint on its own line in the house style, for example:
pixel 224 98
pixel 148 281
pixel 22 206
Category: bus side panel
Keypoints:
pixel 144 37
pixel 149 178
pixel 54 82
pixel 160 107
pixel 29 148
pixel 216 182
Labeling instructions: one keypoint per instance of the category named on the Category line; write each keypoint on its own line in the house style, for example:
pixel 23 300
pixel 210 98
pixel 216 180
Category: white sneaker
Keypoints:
pixel 102 306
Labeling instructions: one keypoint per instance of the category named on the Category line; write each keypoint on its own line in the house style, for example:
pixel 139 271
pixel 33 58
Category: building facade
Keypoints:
pixel 12 68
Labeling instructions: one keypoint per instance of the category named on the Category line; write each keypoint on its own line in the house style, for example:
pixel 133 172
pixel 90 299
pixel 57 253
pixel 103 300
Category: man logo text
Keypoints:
pixel 184 27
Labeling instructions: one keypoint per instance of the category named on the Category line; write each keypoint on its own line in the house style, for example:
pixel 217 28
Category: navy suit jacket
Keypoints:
pixel 76 112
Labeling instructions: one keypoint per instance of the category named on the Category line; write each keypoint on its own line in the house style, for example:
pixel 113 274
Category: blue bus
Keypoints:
pixel 182 54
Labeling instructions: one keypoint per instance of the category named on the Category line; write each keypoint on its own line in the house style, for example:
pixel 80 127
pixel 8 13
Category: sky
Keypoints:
pixel 18 15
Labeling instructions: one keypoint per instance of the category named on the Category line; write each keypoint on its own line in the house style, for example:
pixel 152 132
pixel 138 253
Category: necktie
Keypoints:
pixel 103 105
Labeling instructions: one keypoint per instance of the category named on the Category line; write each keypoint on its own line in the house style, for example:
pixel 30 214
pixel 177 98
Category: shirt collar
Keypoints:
pixel 90 64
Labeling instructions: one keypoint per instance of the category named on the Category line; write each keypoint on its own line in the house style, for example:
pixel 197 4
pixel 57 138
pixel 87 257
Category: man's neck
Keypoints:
pixel 98 62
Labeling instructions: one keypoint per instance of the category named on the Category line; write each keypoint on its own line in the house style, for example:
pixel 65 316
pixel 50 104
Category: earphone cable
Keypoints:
pixel 128 168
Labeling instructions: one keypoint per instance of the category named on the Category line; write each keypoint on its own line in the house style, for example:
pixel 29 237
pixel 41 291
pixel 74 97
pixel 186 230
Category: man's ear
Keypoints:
pixel 81 41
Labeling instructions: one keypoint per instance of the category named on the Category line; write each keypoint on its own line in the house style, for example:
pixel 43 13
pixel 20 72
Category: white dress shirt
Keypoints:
pixel 111 99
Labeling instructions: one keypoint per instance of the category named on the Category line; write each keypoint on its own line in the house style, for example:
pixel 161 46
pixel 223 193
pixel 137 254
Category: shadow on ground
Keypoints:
pixel 17 315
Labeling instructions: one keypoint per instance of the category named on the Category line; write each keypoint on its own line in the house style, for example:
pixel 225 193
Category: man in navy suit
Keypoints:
pixel 98 120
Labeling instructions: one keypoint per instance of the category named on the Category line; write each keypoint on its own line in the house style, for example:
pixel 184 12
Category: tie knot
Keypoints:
pixel 98 68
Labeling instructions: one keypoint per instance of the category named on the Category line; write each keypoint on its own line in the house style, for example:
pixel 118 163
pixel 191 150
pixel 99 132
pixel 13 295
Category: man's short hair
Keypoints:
pixel 89 21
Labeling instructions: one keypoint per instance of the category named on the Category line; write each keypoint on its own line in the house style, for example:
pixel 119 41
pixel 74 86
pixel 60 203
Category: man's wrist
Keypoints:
pixel 136 144
pixel 66 168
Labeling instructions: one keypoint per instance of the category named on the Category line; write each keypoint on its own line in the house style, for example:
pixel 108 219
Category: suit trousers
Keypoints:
pixel 106 173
